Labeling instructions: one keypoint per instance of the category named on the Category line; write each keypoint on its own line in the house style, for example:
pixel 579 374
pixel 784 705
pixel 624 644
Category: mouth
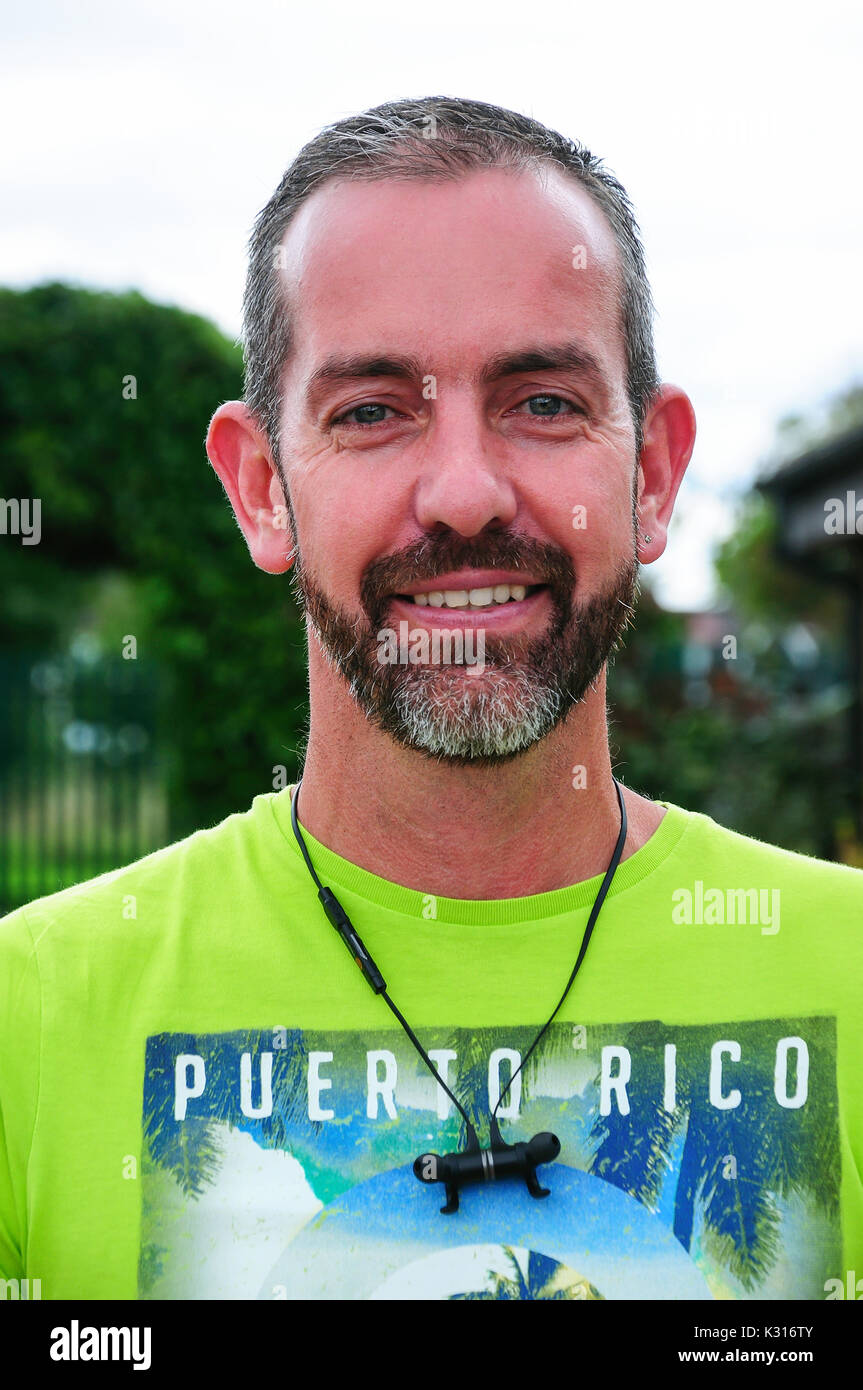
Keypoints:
pixel 493 607
pixel 475 600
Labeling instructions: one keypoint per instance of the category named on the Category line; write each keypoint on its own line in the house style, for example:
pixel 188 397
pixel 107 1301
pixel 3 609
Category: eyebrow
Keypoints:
pixel 561 357
pixel 565 357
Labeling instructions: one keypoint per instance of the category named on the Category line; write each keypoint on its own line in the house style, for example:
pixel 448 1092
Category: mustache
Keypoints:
pixel 432 556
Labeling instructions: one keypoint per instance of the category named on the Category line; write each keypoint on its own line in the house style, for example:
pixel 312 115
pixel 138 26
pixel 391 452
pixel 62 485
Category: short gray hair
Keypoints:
pixel 431 138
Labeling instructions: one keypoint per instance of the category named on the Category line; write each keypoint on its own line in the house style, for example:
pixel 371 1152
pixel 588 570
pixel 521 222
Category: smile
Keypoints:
pixel 472 607
pixel 473 599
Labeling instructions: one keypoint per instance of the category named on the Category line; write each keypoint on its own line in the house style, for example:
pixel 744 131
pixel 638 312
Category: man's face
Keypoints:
pixel 455 422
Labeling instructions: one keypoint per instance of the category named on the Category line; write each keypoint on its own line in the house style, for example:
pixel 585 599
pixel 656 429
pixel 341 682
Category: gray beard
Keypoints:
pixel 528 686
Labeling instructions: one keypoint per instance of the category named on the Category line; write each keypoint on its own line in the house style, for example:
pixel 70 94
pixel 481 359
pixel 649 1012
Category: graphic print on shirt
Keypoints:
pixel 696 1162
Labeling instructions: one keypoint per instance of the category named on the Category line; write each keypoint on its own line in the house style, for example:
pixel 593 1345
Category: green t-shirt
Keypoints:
pixel 200 1096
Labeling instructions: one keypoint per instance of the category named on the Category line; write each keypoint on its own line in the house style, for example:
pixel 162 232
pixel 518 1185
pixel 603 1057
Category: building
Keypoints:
pixel 818 498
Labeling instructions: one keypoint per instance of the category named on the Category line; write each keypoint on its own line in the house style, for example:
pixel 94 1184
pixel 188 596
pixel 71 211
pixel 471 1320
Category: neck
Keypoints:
pixel 511 830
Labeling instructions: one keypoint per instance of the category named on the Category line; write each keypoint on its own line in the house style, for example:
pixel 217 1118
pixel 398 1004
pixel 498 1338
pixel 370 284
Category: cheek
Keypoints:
pixel 590 517
pixel 345 523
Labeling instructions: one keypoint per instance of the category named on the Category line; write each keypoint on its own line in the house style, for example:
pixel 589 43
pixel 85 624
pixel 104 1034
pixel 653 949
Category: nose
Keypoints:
pixel 464 483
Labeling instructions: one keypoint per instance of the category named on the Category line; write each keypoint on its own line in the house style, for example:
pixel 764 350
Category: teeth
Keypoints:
pixel 472 598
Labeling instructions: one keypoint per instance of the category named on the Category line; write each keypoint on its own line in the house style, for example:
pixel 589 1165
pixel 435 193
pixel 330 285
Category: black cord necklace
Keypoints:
pixel 473 1163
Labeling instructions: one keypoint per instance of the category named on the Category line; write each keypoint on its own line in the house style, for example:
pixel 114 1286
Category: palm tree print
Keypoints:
pixel 722 1178
pixel 777 1152
pixel 544 1279
pixel 191 1151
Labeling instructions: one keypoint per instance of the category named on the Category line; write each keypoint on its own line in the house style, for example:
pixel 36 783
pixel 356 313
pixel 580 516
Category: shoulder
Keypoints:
pixel 705 842
pixel 193 869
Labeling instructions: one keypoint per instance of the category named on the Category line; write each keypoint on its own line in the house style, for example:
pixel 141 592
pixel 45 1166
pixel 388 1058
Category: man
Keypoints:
pixel 455 443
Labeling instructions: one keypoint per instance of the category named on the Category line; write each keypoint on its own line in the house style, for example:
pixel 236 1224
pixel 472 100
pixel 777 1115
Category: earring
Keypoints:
pixel 647 538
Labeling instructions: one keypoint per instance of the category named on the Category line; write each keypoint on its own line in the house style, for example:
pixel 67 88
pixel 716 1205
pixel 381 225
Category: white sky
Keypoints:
pixel 139 143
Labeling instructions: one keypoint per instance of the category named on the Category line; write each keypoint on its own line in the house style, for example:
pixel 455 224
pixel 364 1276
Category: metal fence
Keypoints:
pixel 80 790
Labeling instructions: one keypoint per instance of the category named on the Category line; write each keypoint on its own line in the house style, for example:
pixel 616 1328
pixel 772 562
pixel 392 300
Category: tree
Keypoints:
pixel 760 743
pixel 104 404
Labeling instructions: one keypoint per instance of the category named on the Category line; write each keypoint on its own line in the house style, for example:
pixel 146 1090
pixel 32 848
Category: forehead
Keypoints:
pixel 452 269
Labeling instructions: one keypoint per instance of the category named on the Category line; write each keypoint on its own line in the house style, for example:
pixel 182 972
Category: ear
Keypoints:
pixel 669 437
pixel 240 453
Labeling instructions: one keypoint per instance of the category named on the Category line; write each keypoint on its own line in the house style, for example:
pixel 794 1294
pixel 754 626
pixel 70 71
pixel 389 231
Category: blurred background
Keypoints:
pixel 152 680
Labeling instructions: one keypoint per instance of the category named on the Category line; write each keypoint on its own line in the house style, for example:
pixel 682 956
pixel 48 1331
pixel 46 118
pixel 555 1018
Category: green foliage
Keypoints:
pixel 759 585
pixel 137 534
pixel 758 742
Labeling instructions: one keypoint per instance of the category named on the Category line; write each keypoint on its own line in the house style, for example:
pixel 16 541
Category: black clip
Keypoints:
pixel 499 1160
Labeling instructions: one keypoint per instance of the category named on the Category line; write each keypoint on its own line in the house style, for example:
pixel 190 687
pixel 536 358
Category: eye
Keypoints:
pixel 549 407
pixel 370 414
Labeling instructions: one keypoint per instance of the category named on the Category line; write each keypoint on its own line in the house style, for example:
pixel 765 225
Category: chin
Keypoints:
pixel 481 718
